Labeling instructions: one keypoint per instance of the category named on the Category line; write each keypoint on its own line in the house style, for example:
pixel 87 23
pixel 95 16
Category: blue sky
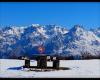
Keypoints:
pixel 61 13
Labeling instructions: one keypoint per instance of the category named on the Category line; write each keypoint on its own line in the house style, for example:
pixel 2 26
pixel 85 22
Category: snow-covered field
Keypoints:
pixel 10 68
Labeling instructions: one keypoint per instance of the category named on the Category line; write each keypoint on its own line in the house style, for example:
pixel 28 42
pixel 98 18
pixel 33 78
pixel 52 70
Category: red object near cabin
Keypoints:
pixel 41 49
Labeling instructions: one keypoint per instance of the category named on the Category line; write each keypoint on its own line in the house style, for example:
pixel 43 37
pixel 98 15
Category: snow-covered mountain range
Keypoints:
pixel 19 41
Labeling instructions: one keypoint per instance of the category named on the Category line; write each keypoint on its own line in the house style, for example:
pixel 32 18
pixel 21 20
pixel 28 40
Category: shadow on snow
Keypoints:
pixel 15 68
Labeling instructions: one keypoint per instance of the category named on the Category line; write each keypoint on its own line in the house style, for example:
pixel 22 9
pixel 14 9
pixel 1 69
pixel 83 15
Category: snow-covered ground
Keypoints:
pixel 10 68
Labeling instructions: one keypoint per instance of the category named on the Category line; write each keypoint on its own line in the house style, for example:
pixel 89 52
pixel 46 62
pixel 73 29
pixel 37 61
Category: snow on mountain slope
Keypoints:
pixel 17 41
pixel 78 40
pixel 96 31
